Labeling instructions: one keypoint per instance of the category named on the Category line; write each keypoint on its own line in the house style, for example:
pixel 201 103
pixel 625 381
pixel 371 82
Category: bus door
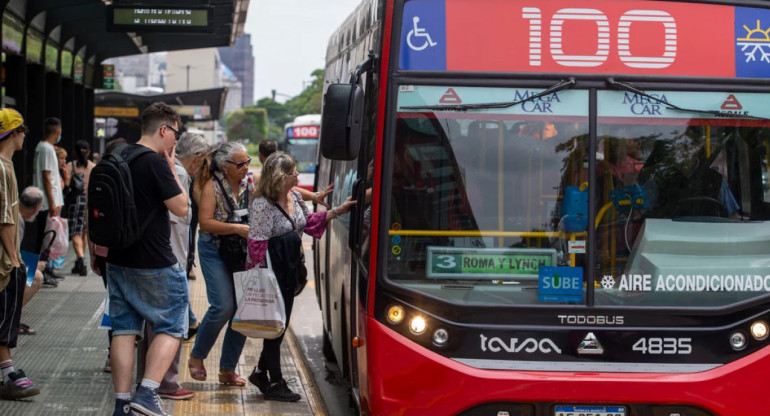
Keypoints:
pixel 359 238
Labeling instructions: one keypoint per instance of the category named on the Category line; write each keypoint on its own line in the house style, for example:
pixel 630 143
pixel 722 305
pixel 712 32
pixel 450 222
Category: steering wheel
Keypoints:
pixel 699 206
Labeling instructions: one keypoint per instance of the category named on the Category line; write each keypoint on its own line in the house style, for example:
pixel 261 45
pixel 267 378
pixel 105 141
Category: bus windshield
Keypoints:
pixel 481 201
pixel 305 151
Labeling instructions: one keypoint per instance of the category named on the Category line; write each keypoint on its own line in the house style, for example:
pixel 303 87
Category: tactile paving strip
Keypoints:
pixel 66 357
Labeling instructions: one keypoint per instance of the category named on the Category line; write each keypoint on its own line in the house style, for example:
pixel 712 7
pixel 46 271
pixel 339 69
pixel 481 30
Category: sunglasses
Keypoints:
pixel 295 173
pixel 176 133
pixel 240 164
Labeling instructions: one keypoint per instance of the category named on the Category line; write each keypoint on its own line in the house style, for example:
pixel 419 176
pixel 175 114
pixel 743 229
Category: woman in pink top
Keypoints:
pixel 277 211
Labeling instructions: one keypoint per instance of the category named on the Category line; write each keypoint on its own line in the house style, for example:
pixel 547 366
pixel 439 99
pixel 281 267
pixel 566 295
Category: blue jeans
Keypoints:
pixel 220 291
pixel 158 296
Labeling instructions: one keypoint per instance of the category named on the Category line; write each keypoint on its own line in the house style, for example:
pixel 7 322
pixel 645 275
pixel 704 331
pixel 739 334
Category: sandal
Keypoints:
pixel 231 378
pixel 26 330
pixel 197 372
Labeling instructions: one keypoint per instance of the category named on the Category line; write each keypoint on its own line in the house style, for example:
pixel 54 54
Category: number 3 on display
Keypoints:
pixel 668 346
pixel 535 18
pixel 447 262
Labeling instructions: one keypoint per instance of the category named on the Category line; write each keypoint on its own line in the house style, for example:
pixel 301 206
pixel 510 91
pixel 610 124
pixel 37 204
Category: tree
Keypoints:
pixel 309 100
pixel 248 123
pixel 277 116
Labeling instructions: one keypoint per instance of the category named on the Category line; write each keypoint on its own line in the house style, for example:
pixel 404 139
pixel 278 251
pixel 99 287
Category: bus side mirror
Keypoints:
pixel 343 111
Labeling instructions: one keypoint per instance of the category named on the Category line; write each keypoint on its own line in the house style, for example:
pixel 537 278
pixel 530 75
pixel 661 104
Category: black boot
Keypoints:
pixel 76 266
pixel 83 268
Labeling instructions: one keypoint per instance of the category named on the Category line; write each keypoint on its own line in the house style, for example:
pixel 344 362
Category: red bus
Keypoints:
pixel 301 141
pixel 563 207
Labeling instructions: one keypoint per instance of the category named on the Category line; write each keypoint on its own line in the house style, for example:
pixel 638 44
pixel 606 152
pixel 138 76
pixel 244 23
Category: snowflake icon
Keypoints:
pixel 608 282
pixel 756 43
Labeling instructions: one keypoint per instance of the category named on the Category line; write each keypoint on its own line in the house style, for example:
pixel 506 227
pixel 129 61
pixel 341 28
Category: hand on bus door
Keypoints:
pixel 346 206
pixel 320 197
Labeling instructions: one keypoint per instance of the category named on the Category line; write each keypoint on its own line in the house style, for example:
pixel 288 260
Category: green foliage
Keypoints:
pixel 307 102
pixel 248 123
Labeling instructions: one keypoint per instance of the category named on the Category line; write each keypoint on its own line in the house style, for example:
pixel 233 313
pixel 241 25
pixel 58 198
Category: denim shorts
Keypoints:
pixel 158 296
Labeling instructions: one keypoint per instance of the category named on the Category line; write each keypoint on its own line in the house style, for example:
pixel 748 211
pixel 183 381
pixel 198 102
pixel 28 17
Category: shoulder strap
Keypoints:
pixel 285 214
pixel 132 155
pixel 230 205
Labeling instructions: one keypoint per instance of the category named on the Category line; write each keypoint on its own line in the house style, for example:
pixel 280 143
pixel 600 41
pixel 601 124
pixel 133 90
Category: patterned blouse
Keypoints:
pixel 221 210
pixel 266 221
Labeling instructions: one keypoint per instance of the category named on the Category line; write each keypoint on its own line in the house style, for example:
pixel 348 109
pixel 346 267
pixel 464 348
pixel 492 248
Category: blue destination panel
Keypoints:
pixel 560 284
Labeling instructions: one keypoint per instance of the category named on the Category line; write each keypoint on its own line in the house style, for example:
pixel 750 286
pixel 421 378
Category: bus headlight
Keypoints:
pixel 440 337
pixel 395 314
pixel 759 330
pixel 418 325
pixel 738 340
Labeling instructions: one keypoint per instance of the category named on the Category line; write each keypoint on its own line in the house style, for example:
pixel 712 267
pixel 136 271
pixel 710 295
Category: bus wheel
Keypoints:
pixel 327 348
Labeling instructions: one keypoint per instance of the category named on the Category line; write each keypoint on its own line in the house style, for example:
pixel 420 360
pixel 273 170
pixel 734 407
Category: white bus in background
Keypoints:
pixel 301 141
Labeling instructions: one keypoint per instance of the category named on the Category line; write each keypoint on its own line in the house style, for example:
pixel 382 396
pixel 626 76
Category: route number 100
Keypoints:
pixel 556 35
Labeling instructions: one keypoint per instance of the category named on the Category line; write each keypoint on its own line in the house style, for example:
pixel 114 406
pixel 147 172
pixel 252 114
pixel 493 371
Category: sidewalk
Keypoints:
pixel 66 357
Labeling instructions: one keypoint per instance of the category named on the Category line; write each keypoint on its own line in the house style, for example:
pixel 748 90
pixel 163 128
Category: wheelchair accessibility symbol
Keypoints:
pixel 418 32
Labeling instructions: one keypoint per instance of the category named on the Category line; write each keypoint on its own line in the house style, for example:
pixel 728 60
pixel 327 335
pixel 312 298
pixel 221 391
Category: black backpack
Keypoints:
pixel 112 217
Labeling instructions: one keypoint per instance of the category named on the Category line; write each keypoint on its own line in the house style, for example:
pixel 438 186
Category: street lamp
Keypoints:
pixel 274 93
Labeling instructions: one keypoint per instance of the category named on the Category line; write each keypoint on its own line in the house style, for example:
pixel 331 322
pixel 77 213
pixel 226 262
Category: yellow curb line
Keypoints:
pixel 313 395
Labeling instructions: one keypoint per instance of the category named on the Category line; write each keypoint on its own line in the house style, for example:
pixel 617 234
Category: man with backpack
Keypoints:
pixel 130 194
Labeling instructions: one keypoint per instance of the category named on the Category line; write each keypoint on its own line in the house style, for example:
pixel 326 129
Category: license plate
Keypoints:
pixel 590 410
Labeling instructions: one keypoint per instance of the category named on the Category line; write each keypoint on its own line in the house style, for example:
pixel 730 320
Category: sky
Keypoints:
pixel 289 38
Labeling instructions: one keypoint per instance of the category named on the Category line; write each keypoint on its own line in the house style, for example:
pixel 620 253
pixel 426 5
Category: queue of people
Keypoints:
pixel 180 183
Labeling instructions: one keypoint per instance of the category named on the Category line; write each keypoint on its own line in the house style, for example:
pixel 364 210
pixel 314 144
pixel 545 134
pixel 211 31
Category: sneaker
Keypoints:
pixel 18 386
pixel 180 394
pixel 146 402
pixel 280 392
pixel 50 274
pixel 83 269
pixel 122 408
pixel 107 366
pixel 260 380
pixel 49 281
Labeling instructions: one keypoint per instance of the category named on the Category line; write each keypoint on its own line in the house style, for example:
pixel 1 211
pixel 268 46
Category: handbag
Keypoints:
pixel 301 268
pixel 261 312
pixel 232 247
pixel 58 238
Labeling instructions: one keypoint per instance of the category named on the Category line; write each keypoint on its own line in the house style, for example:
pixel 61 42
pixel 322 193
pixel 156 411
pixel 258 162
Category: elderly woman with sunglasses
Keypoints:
pixel 222 192
pixel 278 215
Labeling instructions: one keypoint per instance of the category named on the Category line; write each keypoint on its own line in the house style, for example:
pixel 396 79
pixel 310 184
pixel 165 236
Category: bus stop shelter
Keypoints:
pixel 53 50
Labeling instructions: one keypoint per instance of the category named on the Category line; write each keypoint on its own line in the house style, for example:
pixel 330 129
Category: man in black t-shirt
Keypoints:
pixel 144 280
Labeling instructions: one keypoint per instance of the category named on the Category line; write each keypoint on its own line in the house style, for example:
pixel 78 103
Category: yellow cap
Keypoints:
pixel 10 119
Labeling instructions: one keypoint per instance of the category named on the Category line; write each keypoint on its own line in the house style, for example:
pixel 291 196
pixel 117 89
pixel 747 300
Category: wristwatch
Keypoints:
pixel 335 215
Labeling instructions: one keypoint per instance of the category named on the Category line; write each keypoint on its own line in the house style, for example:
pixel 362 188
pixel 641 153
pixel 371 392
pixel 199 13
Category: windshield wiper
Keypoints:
pixel 561 85
pixel 627 86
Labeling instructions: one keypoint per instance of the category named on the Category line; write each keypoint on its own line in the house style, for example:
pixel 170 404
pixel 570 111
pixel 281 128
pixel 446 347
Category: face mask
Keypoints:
pixel 58 140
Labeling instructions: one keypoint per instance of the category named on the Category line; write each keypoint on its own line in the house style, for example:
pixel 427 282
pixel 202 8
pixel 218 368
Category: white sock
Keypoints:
pixel 6 367
pixel 123 396
pixel 152 385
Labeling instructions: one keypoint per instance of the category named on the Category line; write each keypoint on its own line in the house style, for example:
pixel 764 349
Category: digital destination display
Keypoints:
pixel 589 36
pixel 159 19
